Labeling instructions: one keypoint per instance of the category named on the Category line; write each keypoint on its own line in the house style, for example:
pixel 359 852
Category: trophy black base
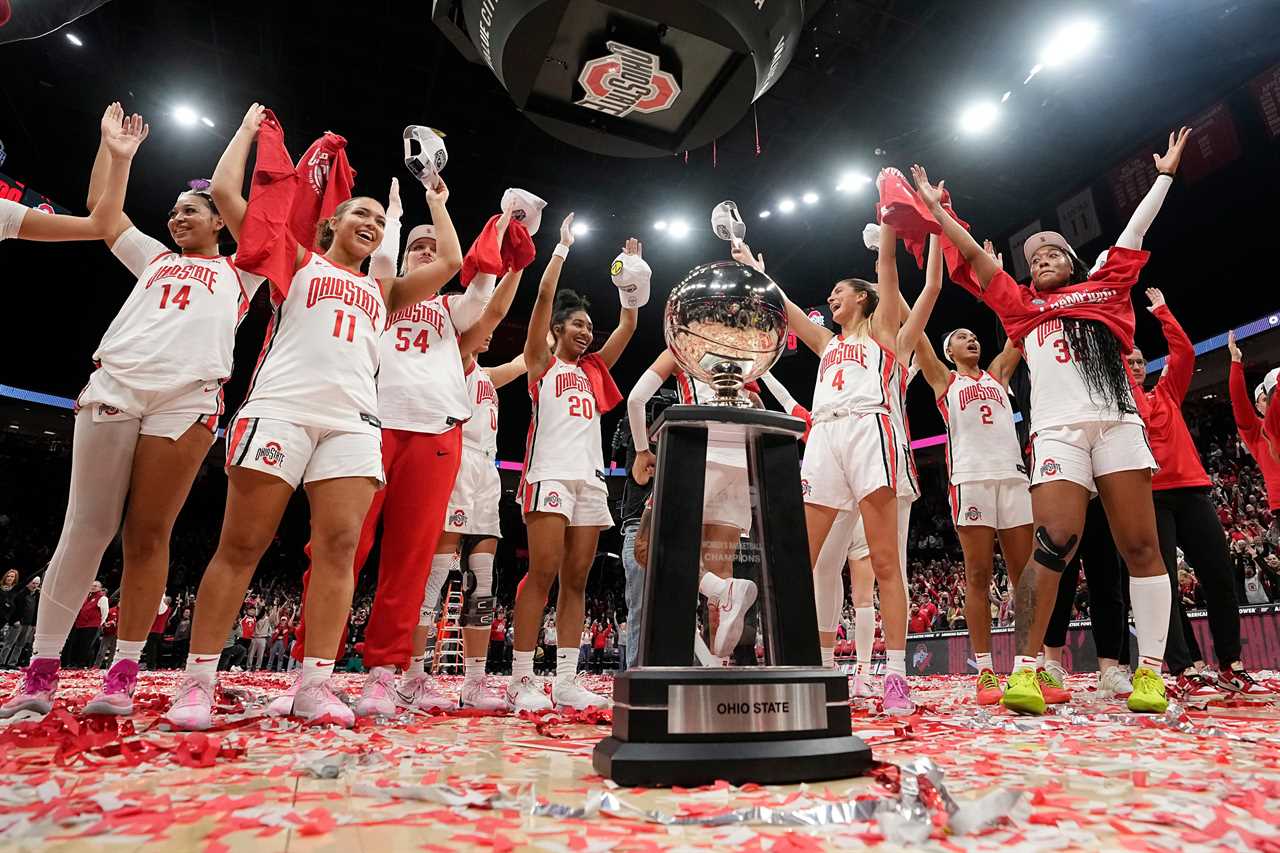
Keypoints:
pixel 769 725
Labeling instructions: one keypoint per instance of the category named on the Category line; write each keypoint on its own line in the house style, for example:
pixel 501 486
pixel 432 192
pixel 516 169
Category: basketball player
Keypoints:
pixel 564 498
pixel 1086 432
pixel 726 503
pixel 309 418
pixel 987 486
pixel 145 420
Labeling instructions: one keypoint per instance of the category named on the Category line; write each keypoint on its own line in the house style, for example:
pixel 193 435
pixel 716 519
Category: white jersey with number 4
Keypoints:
pixel 319 363
pixel 982 443
pixel 178 325
pixel 564 435
pixel 420 384
pixel 1059 395
pixel 480 432
pixel 855 376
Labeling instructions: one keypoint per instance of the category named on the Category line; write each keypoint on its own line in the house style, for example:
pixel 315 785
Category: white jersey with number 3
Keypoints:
pixel 564 435
pixel 982 443
pixel 1059 395
pixel 319 363
pixel 854 375
pixel 480 432
pixel 420 384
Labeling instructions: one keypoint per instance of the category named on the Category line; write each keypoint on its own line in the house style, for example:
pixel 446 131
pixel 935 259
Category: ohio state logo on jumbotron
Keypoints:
pixel 627 80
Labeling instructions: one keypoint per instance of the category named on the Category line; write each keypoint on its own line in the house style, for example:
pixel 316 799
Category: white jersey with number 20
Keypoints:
pixel 564 435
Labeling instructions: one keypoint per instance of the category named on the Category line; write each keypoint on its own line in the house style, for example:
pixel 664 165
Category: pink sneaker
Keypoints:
pixel 35 691
pixel 897 696
pixel 192 709
pixel 377 699
pixel 282 705
pixel 475 694
pixel 116 695
pixel 317 703
pixel 862 688
pixel 734 604
pixel 420 693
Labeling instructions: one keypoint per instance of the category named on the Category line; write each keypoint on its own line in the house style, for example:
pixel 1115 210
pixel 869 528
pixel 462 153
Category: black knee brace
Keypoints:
pixel 1050 554
pixel 477 610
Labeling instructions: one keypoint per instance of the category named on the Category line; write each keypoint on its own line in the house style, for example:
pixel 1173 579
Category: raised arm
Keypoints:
pixel 984 267
pixel 426 281
pixel 937 374
pixel 1248 423
pixel 505 374
pixel 468 308
pixel 227 184
pixel 384 263
pixel 537 355
pixel 627 318
pixel 491 315
pixel 1182 352
pixel 1003 365
pixel 916 320
pixel 1145 213
pixel 888 318
pixel 648 384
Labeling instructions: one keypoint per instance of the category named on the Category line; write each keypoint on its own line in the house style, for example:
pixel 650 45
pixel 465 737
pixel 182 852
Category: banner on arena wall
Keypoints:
pixel 15 190
pixel 1214 143
pixel 1266 90
pixel 1130 180
pixel 1078 219
pixel 1020 268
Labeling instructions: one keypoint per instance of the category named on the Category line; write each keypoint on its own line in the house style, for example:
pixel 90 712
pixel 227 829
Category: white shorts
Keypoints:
pixel 584 502
pixel 301 454
pixel 473 506
pixel 1000 504
pixel 166 414
pixel 847 459
pixel 1079 453
pixel 726 497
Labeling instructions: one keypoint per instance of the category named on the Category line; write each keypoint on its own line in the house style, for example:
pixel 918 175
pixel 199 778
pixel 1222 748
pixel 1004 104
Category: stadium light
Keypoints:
pixel 1068 43
pixel 978 117
pixel 660 225
pixel 206 121
pixel 185 116
pixel 580 228
pixel 765 214
pixel 786 206
pixel 851 182
pixel 810 197
pixel 75 39
pixel 678 228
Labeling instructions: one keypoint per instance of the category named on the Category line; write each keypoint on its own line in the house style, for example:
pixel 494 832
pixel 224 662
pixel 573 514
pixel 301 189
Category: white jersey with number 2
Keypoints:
pixel 982 443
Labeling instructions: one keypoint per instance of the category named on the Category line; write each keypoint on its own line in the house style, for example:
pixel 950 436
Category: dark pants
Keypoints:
pixel 151 651
pixel 79 650
pixel 1186 518
pixel 1108 591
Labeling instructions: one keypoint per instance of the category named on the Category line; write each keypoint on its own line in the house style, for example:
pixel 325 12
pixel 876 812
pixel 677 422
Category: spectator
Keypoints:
pixel 80 647
pixel 107 648
pixel 23 628
pixel 155 637
pixel 261 631
pixel 9 591
pixel 182 635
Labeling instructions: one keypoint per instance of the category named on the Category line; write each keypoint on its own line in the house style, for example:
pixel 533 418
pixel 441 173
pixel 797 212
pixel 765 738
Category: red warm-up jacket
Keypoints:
pixel 1249 425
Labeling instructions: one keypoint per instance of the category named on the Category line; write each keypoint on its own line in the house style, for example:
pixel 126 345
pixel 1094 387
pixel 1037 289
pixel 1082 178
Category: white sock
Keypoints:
pixel 47 646
pixel 897 662
pixel 828 656
pixel 864 635
pixel 567 663
pixel 712 586
pixel 315 670
pixel 202 668
pixel 521 665
pixel 983 661
pixel 475 668
pixel 1021 662
pixel 1151 599
pixel 417 667
pixel 130 650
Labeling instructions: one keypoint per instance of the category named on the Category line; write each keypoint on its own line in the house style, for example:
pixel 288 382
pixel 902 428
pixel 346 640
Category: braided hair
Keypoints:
pixel 1095 352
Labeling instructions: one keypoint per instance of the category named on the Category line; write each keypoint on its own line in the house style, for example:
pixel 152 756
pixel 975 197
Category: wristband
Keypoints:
pixel 1168 175
pixel 561 251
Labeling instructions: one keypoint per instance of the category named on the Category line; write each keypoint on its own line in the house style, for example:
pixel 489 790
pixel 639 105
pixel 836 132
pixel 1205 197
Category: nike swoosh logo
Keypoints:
pixel 205 660
pixel 442 453
pixel 323 665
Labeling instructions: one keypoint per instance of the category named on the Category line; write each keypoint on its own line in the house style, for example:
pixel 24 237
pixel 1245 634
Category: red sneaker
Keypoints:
pixel 1240 682
pixel 1055 692
pixel 988 687
pixel 1197 688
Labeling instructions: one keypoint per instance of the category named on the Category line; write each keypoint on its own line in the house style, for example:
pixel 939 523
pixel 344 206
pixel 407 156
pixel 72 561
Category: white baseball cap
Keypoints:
pixel 1045 238
pixel 871 236
pixel 727 222
pixel 431 157
pixel 1267 385
pixel 525 208
pixel 419 232
pixel 631 275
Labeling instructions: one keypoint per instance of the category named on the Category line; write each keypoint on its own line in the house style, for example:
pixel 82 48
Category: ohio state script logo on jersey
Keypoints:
pixel 485 392
pixel 626 81
pixel 182 272
pixel 420 313
pixel 1049 468
pixel 841 353
pixel 978 391
pixel 270 454
pixel 348 293
pixel 458 519
pixel 572 382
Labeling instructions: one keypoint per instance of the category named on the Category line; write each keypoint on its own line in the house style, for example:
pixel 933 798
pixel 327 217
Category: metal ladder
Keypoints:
pixel 449 657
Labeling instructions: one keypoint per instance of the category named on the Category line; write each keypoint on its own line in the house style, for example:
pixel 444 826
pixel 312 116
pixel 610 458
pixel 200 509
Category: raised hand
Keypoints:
pixel 566 231
pixel 1236 355
pixel 990 249
pixel 931 195
pixel 741 253
pixel 253 118
pixel 633 247
pixel 1155 297
pixel 123 139
pixel 112 117
pixel 394 206
pixel 438 196
pixel 1168 164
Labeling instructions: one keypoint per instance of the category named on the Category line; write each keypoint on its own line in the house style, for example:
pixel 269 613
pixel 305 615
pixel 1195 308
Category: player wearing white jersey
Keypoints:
pixel 146 419
pixel 564 496
pixel 310 416
pixel 988 487
pixel 851 457
pixel 726 502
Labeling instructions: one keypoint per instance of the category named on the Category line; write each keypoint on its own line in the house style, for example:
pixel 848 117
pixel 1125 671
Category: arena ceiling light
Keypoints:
pixel 765 214
pixel 810 197
pixel 185 115
pixel 75 39
pixel 678 229
pixel 1069 42
pixel 786 205
pixel 660 225
pixel 580 228
pixel 852 182
pixel 978 117
pixel 206 121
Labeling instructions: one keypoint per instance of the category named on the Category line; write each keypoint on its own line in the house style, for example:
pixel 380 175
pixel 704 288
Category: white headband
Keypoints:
pixel 946 344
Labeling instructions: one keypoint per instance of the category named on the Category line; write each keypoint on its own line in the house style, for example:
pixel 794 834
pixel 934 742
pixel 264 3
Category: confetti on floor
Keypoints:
pixel 951 777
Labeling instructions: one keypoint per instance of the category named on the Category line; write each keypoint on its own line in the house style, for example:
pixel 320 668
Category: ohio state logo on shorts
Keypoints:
pixel 270 454
pixel 1049 468
pixel 626 81
pixel 552 499
pixel 458 519
pixel 973 513
pixel 107 411
pixel 805 488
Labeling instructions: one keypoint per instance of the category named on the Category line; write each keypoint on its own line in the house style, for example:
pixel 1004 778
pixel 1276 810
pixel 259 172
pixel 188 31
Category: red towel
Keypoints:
pixel 279 218
pixel 516 253
pixel 902 208
pixel 602 385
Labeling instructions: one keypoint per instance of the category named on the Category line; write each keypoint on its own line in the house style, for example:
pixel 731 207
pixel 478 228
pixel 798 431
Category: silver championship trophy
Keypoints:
pixel 675 723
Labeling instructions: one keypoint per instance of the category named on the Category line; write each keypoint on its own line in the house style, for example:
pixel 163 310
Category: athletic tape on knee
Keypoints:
pixel 1050 554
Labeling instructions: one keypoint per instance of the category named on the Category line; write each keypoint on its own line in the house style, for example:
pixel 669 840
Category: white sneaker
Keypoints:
pixel 1114 683
pixel 316 702
pixel 734 604
pixel 475 694
pixel 282 705
pixel 192 708
pixel 1057 670
pixel 862 688
pixel 420 693
pixel 566 693
pixel 528 695
pixel 377 699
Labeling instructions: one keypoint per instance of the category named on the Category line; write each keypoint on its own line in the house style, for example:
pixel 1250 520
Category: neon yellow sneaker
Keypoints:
pixel 1022 694
pixel 1148 695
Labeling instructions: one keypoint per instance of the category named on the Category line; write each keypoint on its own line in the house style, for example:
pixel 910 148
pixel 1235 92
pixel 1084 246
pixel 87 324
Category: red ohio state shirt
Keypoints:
pixel 1161 409
pixel 1249 425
